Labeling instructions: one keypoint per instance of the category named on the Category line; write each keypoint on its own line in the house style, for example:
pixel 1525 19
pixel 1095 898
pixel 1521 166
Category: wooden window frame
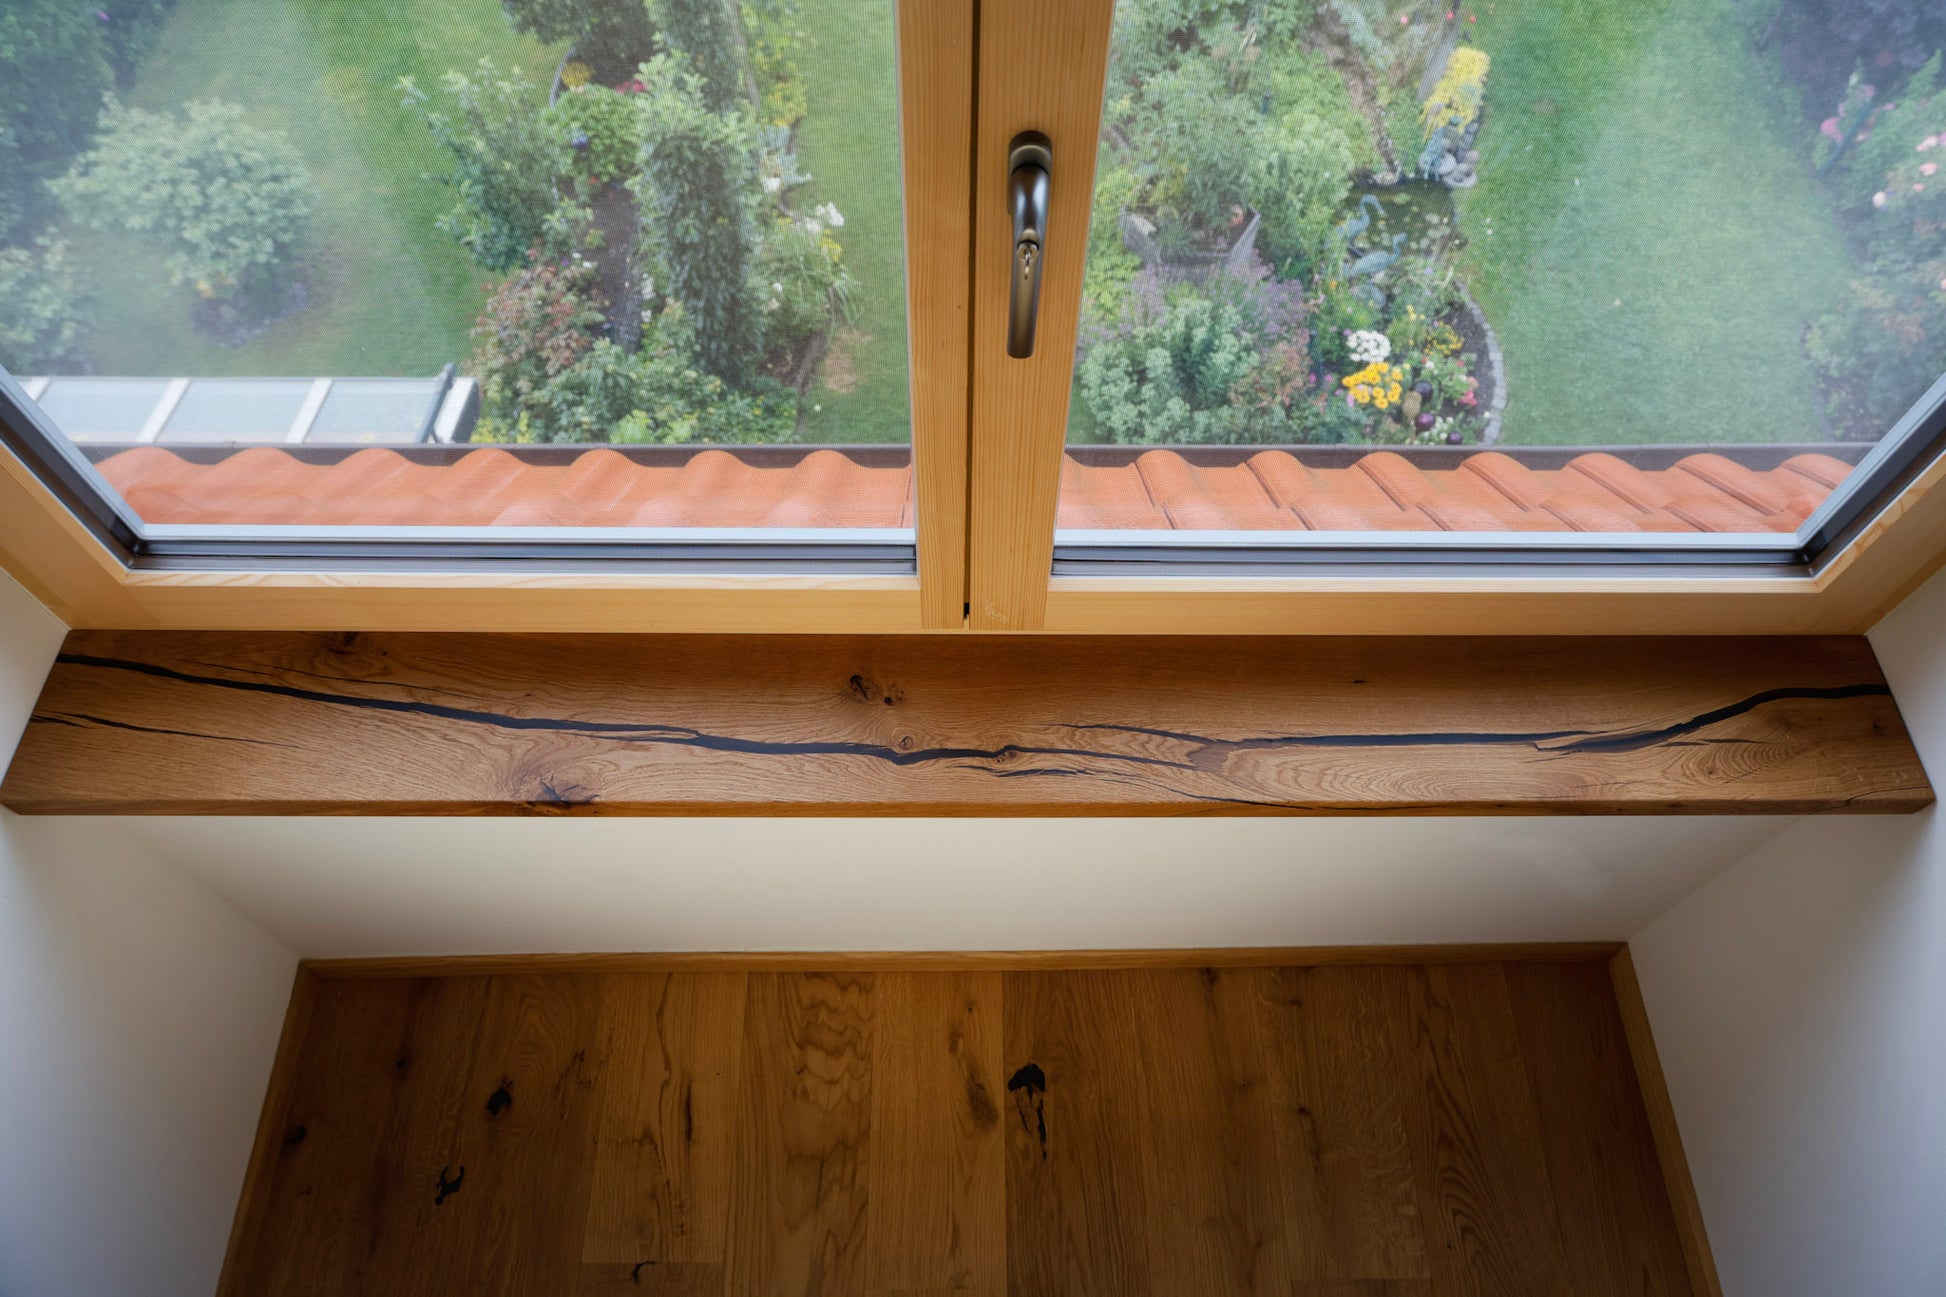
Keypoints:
pixel 988 439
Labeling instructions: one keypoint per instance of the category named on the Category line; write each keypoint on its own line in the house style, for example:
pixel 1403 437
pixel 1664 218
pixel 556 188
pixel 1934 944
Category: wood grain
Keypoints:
pixel 1661 1115
pixel 1077 1190
pixel 271 1129
pixel 1339 1089
pixel 1041 68
pixel 936 54
pixel 1405 1130
pixel 1622 1241
pixel 936 1213
pixel 1477 1141
pixel 663 1143
pixel 166 722
pixel 798 1203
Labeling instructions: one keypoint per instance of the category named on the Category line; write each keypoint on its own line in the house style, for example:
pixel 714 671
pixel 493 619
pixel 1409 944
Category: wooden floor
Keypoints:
pixel 1339 1131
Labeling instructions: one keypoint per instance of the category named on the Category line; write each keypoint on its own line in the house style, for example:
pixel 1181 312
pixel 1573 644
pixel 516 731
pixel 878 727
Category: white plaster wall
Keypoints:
pixel 1799 1007
pixel 138 1018
pixel 420 886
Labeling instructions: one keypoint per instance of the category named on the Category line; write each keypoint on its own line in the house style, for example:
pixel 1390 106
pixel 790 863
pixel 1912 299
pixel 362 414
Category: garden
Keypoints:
pixel 600 210
pixel 1402 222
pixel 1382 222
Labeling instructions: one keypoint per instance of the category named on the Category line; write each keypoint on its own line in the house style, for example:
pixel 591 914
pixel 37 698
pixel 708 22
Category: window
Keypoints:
pixel 1340 291
pixel 1528 279
pixel 512 280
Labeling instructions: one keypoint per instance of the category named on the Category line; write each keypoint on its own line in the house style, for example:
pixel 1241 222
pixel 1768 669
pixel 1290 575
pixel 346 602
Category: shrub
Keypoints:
pixel 607 123
pixel 1883 350
pixel 1195 143
pixel 506 160
pixel 802 267
pixel 45 306
pixel 548 374
pixel 1223 361
pixel 1822 42
pixel 674 402
pixel 537 324
pixel 1300 182
pixel 698 191
pixel 771 27
pixel 706 32
pixel 226 204
pixel 1885 347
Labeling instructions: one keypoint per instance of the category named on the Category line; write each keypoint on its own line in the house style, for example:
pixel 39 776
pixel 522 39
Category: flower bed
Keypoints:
pixel 1262 269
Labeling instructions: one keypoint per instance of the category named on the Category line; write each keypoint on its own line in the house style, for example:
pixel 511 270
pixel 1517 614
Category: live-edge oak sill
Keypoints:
pixel 146 722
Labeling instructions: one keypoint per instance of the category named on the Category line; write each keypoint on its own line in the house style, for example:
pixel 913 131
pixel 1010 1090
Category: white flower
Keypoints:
pixel 830 215
pixel 776 287
pixel 1368 346
pixel 773 183
pixel 813 229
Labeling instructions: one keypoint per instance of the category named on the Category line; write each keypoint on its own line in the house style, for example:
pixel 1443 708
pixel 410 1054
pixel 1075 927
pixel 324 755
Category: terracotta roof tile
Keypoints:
pixel 1108 498
pixel 1270 489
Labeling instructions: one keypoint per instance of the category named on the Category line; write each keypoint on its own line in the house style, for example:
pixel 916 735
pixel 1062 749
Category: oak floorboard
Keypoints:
pixel 649 1279
pixel 1476 1134
pixel 1453 1129
pixel 1217 1220
pixel 1617 1226
pixel 325 1188
pixel 1077 1197
pixel 804 1108
pixel 1339 1051
pixel 672 1051
pixel 522 1116
pixel 936 1217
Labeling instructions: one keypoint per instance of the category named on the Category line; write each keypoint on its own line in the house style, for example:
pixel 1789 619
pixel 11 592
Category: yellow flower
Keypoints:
pixel 575 74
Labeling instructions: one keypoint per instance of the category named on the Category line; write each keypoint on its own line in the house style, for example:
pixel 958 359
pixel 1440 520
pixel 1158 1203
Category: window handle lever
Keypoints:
pixel 1028 163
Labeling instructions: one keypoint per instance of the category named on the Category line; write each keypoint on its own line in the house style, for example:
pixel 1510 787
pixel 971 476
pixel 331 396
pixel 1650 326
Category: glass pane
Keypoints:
pixel 1534 266
pixel 463 263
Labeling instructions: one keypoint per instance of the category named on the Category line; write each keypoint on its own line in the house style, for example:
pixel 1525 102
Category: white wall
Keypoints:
pixel 1799 1007
pixel 425 886
pixel 138 1018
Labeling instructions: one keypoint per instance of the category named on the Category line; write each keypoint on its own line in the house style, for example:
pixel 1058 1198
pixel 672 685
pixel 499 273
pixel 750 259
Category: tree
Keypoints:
pixel 698 192
pixel 52 79
pixel 225 203
pixel 615 34
pixel 706 32
pixel 506 158
pixel 45 306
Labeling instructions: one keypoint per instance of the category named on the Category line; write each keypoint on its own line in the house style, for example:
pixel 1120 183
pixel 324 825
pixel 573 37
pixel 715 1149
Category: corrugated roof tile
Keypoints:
pixel 1271 489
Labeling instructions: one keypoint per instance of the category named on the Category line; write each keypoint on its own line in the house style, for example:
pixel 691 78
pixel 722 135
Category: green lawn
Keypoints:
pixel 389 293
pixel 849 142
pixel 1646 236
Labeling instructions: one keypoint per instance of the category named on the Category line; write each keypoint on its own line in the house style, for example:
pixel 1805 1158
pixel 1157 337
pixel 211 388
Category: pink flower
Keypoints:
pixel 1829 126
pixel 1930 142
pixel 1879 199
pixel 1927 168
pixel 1942 285
pixel 1469 399
pixel 1403 20
pixel 1918 186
